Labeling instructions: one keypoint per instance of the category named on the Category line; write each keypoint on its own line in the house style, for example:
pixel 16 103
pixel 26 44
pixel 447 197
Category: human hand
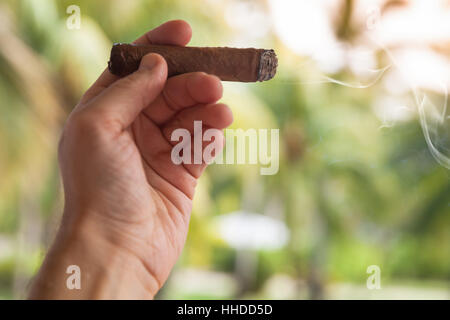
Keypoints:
pixel 127 205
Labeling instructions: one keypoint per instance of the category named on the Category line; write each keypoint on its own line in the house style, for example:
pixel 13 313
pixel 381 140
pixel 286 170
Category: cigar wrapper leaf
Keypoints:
pixel 229 64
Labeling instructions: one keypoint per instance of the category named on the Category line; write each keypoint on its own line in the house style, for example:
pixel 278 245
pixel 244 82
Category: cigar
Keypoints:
pixel 229 64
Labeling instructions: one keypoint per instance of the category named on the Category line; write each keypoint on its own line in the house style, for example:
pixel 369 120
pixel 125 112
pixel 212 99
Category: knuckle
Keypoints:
pixel 94 124
pixel 128 82
pixel 80 121
pixel 139 78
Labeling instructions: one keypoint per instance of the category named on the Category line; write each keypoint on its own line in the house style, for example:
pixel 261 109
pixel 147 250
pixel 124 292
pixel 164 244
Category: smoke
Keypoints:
pixel 434 119
pixel 435 127
pixel 378 74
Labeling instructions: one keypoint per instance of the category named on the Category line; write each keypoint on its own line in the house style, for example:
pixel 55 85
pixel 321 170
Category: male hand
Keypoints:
pixel 127 205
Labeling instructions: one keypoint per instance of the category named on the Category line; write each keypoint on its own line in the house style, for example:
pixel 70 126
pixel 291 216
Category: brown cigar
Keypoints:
pixel 229 64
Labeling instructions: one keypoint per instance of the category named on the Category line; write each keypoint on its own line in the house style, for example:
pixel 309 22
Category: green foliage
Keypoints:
pixel 351 193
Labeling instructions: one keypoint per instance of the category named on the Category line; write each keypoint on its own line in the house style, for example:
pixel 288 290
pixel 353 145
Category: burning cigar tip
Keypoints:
pixel 229 64
pixel 268 65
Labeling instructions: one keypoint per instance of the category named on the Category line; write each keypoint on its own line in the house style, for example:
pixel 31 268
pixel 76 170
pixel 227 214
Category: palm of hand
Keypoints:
pixel 157 191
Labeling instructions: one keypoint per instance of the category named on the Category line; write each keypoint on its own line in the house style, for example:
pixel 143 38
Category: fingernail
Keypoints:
pixel 149 61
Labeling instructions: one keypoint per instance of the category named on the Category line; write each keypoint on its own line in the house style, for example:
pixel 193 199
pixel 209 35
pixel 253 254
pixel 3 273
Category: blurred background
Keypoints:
pixel 360 99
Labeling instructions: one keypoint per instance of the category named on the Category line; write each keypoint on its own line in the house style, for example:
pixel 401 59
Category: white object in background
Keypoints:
pixel 247 230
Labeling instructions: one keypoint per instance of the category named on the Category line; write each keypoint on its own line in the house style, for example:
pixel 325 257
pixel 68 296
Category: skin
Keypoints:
pixel 127 205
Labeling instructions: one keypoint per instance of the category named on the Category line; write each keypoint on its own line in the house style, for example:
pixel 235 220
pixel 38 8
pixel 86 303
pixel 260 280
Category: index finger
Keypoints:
pixel 175 32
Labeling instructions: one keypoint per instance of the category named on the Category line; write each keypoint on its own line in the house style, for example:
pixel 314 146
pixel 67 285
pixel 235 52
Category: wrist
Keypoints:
pixel 107 271
pixel 116 272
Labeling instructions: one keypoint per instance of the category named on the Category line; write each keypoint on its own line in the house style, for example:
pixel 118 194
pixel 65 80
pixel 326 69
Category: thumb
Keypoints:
pixel 124 100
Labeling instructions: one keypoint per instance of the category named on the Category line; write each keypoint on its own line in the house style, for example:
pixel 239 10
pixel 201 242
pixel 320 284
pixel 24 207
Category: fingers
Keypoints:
pixel 178 182
pixel 216 116
pixel 175 32
pixel 213 139
pixel 184 91
pixel 156 154
pixel 120 104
